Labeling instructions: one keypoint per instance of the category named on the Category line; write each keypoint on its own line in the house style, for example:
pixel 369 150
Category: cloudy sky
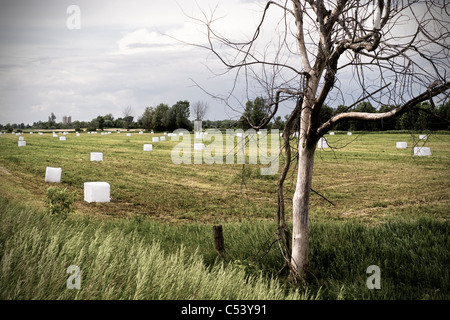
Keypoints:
pixel 104 56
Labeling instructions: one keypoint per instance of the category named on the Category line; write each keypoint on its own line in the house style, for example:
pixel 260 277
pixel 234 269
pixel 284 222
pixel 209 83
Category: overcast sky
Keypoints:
pixel 108 55
pixel 118 57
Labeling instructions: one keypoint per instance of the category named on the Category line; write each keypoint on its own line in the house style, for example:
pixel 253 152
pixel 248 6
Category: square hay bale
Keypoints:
pixel 155 139
pixel 21 138
pixel 162 138
pixel 53 174
pixel 128 135
pixel 349 133
pixel 199 146
pixel 322 143
pixel 96 156
pixel 62 138
pixel 401 145
pixel 331 133
pixel 148 147
pixel 22 143
pixel 422 151
pixel 423 137
pixel 96 192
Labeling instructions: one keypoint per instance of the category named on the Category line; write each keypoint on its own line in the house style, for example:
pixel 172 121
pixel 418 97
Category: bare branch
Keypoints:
pixel 364 116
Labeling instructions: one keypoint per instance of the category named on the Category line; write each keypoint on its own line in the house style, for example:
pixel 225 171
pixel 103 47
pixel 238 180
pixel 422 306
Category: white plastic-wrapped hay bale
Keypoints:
pixel 423 137
pixel 331 133
pixel 148 147
pixel 322 143
pixel 97 192
pixel 401 145
pixel 22 143
pixel 55 135
pixel 78 134
pixel 128 134
pixel 199 146
pixel 422 151
pixel 53 174
pixel 21 138
pixel 62 138
pixel 155 139
pixel 162 138
pixel 140 132
pixel 349 133
pixel 96 156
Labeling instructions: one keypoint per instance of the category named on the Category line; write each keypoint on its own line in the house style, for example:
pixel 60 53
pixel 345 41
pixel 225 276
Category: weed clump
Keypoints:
pixel 59 202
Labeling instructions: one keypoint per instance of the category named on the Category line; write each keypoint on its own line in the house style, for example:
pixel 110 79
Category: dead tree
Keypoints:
pixel 199 110
pixel 392 53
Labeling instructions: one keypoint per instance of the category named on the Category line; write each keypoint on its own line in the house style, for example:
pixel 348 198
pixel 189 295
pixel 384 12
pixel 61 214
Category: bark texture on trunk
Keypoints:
pixel 300 229
pixel 300 201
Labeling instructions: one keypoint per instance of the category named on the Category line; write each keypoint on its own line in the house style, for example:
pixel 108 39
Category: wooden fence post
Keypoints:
pixel 218 239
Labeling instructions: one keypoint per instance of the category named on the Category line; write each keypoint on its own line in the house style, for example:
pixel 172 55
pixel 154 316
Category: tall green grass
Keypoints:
pixel 37 249
pixel 139 258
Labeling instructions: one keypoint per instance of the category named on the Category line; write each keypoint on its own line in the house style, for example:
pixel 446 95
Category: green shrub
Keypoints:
pixel 59 201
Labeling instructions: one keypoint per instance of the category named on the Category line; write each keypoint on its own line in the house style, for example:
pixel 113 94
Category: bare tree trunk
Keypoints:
pixel 300 202
pixel 300 229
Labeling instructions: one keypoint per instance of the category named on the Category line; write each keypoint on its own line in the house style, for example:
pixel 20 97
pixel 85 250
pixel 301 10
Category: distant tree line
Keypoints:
pixel 165 118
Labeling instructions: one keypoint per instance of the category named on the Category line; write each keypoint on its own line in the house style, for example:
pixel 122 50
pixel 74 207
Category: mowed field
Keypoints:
pixel 154 239
pixel 366 177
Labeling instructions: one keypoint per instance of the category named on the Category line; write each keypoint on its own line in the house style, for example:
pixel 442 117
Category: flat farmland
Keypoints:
pixel 154 239
pixel 364 175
